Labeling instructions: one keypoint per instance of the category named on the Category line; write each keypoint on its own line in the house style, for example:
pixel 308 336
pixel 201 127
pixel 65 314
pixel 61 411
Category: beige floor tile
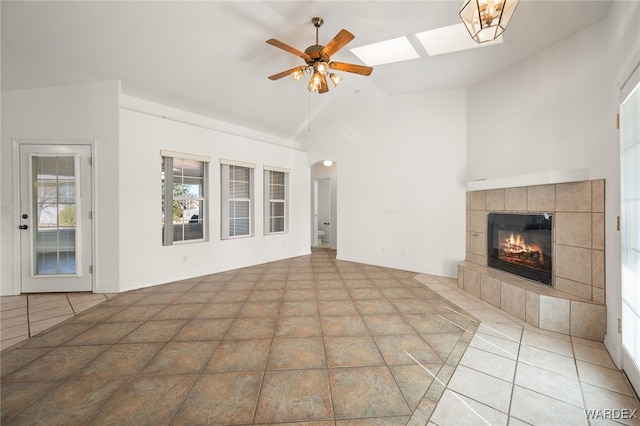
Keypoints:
pixel 36 327
pixel 548 343
pixel 606 378
pixel 481 387
pixel 593 355
pixel 489 363
pixel 47 303
pixel 491 315
pixel 597 398
pixel 549 361
pixel 472 305
pixel 75 298
pixel 9 342
pixel 21 329
pixel 9 300
pixel 496 345
pixel 14 321
pixel 507 331
pixel 559 387
pixel 549 333
pixel 50 313
pixel 537 409
pixel 455 409
pixel 586 342
pixel 7 308
pixel 516 422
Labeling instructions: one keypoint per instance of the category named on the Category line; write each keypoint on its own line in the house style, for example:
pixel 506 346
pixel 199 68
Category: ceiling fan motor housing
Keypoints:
pixel 315 54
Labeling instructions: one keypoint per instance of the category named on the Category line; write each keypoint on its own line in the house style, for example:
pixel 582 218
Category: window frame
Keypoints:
pixel 225 195
pixel 167 158
pixel 268 170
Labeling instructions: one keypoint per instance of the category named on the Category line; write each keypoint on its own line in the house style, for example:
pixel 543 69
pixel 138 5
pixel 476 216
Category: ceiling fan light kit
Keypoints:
pixel 487 19
pixel 318 61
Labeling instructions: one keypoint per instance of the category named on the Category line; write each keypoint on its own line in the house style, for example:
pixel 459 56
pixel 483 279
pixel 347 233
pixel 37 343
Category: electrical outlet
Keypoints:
pixel 403 252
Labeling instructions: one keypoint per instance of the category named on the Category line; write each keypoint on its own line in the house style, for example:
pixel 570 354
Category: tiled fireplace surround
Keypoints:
pixel 576 306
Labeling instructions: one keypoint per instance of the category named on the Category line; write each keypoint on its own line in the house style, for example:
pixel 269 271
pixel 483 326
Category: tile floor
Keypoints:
pixel 27 315
pixel 308 340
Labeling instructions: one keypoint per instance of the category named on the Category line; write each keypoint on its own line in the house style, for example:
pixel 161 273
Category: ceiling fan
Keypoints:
pixel 317 58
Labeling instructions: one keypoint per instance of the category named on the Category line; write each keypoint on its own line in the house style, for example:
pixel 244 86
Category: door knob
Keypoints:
pixel 23 227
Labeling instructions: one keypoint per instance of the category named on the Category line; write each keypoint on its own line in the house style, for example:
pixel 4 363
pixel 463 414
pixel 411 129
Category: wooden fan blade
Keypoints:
pixel 285 73
pixel 324 87
pixel 287 48
pixel 356 69
pixel 338 42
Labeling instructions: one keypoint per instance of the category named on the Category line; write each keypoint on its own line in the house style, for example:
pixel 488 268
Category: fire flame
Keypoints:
pixel 515 244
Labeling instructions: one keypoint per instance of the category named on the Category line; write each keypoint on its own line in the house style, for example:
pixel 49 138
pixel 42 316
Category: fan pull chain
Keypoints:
pixel 309 114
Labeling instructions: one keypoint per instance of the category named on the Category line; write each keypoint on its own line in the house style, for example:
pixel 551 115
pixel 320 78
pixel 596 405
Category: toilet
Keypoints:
pixel 321 234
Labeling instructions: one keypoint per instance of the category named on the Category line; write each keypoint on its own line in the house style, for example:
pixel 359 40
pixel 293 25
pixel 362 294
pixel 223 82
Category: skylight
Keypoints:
pixel 386 52
pixel 450 39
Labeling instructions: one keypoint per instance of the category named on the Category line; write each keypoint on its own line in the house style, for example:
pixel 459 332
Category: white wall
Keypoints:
pixel 401 191
pixel 81 113
pixel 543 114
pixel 556 111
pixel 129 252
pixel 143 259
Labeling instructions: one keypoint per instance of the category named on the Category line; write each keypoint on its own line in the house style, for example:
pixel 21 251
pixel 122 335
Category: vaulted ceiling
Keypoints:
pixel 210 57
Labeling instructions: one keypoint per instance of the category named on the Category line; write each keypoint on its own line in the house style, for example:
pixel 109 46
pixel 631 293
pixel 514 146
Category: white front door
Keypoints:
pixel 55 225
pixel 630 234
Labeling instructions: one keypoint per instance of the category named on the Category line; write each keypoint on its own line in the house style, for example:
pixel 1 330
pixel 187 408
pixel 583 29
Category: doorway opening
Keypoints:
pixel 323 209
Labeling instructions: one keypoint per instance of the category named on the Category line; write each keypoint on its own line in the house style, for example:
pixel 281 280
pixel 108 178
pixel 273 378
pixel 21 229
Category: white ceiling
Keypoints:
pixel 211 57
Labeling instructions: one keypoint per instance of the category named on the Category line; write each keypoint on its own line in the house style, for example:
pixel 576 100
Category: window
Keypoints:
pixel 237 199
pixel 184 184
pixel 276 200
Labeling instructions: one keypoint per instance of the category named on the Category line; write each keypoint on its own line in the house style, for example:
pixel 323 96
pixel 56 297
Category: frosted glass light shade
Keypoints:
pixel 487 19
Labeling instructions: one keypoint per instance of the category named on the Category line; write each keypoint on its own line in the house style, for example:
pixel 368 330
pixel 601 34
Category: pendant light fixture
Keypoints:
pixel 487 19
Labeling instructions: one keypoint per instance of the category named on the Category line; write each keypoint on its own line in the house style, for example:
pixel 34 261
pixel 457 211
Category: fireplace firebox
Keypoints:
pixel 521 244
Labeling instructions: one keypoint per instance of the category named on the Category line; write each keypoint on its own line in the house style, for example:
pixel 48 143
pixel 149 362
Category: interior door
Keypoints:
pixel 314 231
pixel 55 211
pixel 324 208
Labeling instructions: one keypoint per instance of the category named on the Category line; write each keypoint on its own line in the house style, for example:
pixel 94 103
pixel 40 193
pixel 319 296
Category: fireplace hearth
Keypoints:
pixel 521 244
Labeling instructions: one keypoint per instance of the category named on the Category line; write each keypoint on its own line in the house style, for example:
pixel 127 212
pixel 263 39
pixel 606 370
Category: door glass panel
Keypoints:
pixel 630 218
pixel 54 215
